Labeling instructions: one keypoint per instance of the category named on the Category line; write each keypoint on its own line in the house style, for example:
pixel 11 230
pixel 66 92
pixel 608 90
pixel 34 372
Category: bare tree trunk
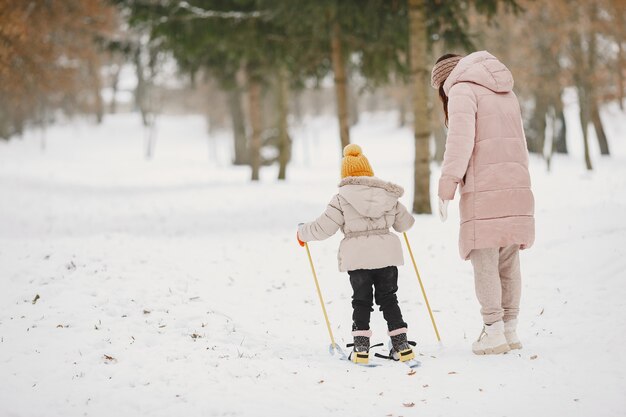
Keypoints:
pixel 560 145
pixel 341 84
pixel 140 89
pixel 439 133
pixel 420 79
pixel 583 102
pixel 536 134
pixel 96 84
pixel 297 106
pixel 547 97
pixel 552 123
pixel 620 74
pixel 256 124
pixel 619 35
pixel 600 134
pixel 115 81
pixel 44 123
pixel 284 143
pixel 584 121
pixel 401 112
pixel 5 125
pixel 594 113
pixel 581 79
pixel 150 136
pixel 353 101
pixel 239 127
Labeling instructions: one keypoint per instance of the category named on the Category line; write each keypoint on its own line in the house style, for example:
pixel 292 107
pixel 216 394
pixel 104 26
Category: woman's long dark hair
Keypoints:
pixel 442 93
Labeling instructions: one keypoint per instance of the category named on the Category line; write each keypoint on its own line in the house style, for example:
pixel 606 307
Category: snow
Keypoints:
pixel 188 278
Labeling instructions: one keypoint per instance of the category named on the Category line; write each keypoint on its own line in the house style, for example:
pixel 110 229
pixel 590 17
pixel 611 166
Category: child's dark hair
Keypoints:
pixel 442 94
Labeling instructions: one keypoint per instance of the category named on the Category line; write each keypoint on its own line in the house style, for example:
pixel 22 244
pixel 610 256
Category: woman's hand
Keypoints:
pixel 443 209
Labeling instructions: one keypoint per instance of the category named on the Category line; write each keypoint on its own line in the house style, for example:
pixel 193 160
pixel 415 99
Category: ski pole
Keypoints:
pixel 319 294
pixel 432 318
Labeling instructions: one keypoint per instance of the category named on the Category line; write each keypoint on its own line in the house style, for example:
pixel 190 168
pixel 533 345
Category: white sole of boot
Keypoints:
pixel 492 351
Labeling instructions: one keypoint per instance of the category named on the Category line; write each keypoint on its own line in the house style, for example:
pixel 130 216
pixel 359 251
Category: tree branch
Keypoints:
pixel 204 14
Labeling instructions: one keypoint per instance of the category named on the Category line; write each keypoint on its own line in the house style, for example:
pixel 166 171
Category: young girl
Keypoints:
pixel 364 209
pixel 486 155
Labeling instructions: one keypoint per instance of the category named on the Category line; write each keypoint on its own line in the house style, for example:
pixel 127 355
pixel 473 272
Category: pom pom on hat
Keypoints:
pixel 352 150
pixel 354 163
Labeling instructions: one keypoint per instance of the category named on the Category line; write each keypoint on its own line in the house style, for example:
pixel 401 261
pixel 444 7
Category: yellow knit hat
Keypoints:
pixel 354 163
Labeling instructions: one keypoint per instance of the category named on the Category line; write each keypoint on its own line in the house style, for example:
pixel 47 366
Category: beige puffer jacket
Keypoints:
pixel 364 209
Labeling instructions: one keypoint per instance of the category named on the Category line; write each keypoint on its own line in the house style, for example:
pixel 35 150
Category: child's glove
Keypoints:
pixel 443 209
pixel 298 236
pixel 299 241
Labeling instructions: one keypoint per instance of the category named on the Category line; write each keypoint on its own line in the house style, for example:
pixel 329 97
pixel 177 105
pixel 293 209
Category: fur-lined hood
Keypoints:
pixel 390 187
pixel 370 196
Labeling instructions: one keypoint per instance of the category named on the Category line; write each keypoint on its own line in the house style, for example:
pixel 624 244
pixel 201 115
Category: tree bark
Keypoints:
pixel 439 131
pixel 592 95
pixel 560 145
pixel 256 124
pixel 620 32
pixel 600 134
pixel 96 84
pixel 140 89
pixel 620 74
pixel 284 143
pixel 44 123
pixel 239 127
pixel 420 79
pixel 537 136
pixel 439 134
pixel 546 96
pixel 353 104
pixel 150 136
pixel 115 81
pixel 584 121
pixel 341 84
pixel 550 138
pixel 581 79
pixel 401 112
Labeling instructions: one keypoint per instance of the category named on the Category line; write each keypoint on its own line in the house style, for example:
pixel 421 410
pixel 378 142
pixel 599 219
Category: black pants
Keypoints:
pixel 380 285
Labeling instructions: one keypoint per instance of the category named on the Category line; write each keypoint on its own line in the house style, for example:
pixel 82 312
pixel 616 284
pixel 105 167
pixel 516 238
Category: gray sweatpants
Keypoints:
pixel 498 282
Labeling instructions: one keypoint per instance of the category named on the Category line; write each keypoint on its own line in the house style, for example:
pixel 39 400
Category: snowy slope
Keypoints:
pixel 175 287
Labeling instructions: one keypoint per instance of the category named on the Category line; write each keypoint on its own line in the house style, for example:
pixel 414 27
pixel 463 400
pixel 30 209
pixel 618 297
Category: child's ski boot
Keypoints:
pixel 400 346
pixel 361 347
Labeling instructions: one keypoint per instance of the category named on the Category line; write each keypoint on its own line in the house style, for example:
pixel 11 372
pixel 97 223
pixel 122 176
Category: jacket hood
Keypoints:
pixel 481 68
pixel 370 196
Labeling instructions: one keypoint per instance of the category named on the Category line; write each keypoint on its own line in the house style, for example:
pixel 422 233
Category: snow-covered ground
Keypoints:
pixel 174 287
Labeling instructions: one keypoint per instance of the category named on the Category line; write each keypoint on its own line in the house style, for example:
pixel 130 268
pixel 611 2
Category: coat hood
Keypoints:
pixel 481 68
pixel 370 196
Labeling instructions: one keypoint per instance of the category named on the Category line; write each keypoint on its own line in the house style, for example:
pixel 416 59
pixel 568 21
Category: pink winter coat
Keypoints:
pixel 486 154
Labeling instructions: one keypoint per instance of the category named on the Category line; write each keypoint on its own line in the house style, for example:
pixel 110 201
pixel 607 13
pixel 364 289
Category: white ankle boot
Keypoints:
pixel 511 335
pixel 491 340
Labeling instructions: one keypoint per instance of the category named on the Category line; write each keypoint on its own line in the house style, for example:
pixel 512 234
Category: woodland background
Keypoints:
pixel 257 67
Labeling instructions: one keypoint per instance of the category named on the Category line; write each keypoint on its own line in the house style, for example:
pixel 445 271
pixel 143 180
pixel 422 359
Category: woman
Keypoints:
pixel 486 155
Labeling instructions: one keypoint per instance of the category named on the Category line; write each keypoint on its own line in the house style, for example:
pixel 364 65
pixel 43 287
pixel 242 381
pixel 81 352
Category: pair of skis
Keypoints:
pixel 412 363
